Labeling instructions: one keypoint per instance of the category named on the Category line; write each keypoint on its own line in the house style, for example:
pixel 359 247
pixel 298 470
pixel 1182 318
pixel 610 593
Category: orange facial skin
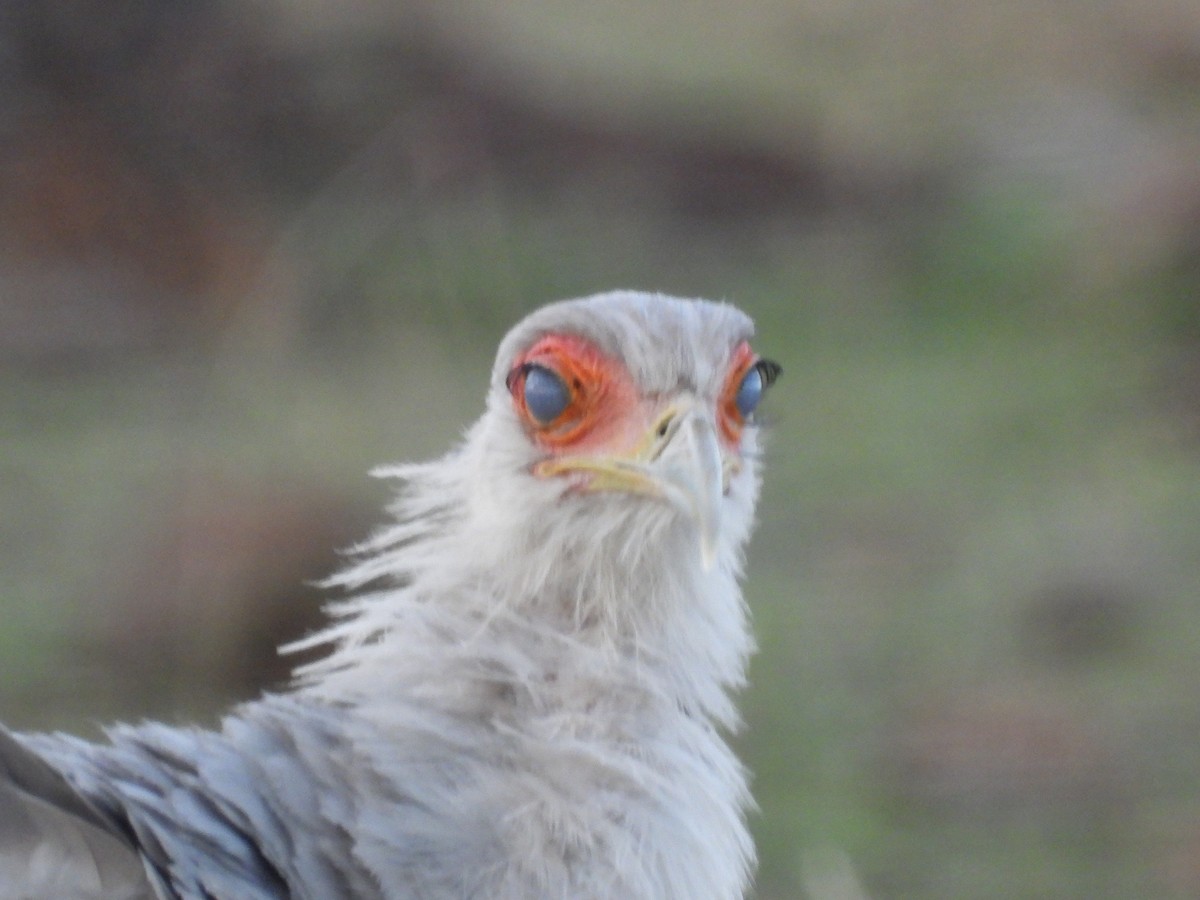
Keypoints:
pixel 603 396
pixel 730 418
pixel 605 412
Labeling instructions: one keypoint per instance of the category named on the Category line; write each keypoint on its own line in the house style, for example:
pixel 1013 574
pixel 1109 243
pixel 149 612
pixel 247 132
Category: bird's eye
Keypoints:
pixel 546 395
pixel 749 392
pixel 754 382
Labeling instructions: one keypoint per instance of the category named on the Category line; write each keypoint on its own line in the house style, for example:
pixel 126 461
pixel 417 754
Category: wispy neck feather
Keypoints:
pixel 571 581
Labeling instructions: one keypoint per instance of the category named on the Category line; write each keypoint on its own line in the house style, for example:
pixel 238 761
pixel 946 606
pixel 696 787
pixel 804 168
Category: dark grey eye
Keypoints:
pixel 755 381
pixel 546 395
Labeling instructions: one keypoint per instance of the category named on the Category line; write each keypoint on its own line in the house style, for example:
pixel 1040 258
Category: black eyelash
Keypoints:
pixel 516 374
pixel 769 370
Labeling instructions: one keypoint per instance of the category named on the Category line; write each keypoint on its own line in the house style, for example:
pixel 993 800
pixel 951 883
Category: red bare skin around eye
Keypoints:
pixel 604 410
pixel 605 413
pixel 730 416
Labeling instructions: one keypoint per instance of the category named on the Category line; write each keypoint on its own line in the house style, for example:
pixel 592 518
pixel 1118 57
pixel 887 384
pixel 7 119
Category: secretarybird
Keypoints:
pixel 526 684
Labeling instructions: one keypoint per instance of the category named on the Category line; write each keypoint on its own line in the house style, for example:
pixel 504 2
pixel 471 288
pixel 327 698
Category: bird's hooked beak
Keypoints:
pixel 679 460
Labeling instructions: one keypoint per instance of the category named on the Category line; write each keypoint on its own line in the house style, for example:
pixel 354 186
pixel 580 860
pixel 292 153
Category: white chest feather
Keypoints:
pixel 575 787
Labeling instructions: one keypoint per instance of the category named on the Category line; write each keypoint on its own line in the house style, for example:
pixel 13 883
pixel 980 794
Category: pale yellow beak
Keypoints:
pixel 679 460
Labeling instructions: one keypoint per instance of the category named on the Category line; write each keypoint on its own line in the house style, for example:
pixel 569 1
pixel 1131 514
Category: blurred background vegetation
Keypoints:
pixel 247 251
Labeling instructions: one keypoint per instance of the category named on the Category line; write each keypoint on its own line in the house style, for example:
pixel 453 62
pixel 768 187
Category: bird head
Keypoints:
pixel 623 426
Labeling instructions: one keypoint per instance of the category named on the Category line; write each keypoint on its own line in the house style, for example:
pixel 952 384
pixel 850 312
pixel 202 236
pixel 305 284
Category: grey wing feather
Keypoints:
pixel 257 811
pixel 54 843
pixel 149 777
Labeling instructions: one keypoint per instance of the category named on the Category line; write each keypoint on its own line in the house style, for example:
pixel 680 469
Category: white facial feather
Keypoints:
pixel 568 647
